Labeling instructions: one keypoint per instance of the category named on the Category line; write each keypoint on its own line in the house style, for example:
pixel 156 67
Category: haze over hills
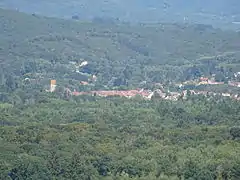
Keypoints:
pixel 216 12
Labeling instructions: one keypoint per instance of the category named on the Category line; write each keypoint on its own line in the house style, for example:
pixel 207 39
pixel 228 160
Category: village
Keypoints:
pixel 159 92
pixel 148 94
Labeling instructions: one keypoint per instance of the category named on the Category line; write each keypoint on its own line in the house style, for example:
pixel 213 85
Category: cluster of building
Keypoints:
pixel 205 80
pixel 147 94
pixel 209 81
pixel 209 93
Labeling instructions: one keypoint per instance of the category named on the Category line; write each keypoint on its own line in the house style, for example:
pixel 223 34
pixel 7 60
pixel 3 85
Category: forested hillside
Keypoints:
pixel 44 47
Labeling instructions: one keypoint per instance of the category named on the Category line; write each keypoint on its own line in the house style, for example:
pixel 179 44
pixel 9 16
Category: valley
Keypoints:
pixel 113 100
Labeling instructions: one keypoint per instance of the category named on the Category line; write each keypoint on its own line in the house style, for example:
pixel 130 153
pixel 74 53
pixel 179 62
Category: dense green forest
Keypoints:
pixel 58 136
pixel 116 138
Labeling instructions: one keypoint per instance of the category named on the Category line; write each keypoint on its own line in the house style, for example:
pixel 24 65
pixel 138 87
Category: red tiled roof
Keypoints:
pixel 203 79
pixel 128 93
pixel 75 93
pixel 83 82
pixel 143 93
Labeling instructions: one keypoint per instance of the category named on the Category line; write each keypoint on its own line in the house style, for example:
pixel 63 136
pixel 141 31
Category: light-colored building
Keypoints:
pixel 53 85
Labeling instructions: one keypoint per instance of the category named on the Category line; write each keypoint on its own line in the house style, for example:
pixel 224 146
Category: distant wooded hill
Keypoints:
pixel 218 12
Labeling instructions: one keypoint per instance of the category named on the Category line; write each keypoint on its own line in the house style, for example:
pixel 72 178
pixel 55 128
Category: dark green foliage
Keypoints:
pixel 95 138
pixel 235 132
